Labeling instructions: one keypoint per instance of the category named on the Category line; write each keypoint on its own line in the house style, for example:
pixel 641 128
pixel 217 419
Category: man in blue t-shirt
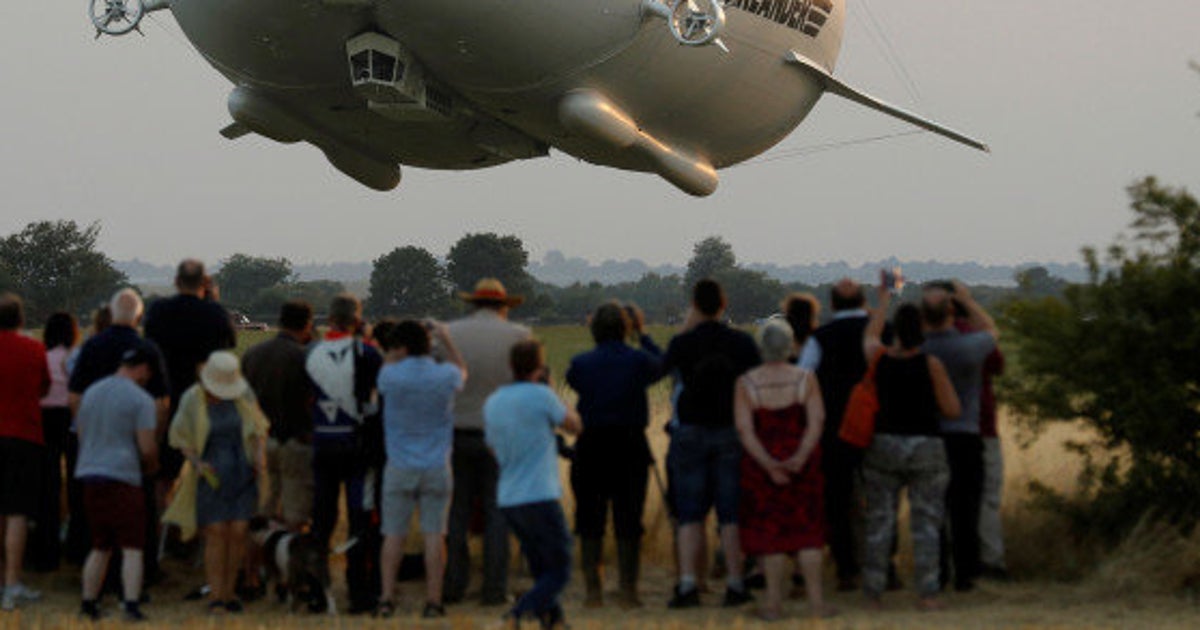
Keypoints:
pixel 116 426
pixel 418 426
pixel 519 424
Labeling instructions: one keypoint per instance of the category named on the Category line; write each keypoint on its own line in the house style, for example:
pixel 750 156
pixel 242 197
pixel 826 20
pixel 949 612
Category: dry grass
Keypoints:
pixel 1061 583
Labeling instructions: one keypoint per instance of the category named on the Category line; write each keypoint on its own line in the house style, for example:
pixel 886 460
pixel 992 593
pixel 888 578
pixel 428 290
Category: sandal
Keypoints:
pixel 385 609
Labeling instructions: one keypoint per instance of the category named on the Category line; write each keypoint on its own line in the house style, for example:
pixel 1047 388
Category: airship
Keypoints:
pixel 676 88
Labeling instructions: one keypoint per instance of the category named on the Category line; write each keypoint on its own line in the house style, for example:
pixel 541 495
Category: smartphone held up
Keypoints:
pixel 892 279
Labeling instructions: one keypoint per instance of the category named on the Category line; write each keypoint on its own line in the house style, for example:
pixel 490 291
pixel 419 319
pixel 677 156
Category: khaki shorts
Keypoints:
pixel 290 477
pixel 406 490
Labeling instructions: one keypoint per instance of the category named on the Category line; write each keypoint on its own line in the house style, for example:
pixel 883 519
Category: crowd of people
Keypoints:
pixel 167 434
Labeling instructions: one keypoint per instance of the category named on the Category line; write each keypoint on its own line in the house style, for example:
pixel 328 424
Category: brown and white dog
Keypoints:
pixel 297 565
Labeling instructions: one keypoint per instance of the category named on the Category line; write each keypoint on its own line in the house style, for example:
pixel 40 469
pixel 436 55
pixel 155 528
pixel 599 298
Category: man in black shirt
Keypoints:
pixel 706 453
pixel 187 328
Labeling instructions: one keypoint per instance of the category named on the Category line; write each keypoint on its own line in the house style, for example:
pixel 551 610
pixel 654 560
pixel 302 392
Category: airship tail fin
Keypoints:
pixel 836 86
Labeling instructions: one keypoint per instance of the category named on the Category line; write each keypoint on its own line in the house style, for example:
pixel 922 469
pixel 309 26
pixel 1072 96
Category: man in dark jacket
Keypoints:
pixel 276 372
pixel 835 353
pixel 612 457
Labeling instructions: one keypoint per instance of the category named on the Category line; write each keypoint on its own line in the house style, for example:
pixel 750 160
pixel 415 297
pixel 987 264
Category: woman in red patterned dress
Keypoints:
pixel 779 414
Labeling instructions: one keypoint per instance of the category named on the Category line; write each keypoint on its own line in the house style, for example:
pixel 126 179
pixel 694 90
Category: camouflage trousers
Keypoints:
pixel 893 462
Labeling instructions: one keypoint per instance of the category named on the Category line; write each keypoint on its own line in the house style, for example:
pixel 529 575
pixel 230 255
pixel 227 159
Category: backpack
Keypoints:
pixel 858 422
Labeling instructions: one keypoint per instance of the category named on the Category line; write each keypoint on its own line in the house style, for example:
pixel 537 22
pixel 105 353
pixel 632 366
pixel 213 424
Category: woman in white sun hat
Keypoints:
pixel 221 431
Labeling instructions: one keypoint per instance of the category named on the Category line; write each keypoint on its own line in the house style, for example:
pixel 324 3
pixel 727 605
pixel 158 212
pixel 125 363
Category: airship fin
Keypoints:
pixel 836 86
pixel 236 130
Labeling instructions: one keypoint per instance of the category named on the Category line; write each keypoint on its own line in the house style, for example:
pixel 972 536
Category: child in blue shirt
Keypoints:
pixel 520 420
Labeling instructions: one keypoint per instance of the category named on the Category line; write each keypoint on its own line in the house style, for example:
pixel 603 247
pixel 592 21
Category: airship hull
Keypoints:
pixel 509 65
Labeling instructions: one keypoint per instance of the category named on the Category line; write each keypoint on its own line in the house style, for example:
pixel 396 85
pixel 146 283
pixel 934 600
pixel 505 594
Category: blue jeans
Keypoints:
pixel 546 543
pixel 705 472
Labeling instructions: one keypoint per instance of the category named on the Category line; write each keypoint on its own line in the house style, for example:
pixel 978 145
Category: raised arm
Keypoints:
pixel 873 335
pixel 442 334
pixel 979 319
pixel 943 389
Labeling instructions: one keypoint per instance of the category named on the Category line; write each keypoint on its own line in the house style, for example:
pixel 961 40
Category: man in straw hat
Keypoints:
pixel 484 339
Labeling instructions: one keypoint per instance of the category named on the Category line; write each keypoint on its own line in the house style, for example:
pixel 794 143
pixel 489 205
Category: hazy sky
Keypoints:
pixel 1076 97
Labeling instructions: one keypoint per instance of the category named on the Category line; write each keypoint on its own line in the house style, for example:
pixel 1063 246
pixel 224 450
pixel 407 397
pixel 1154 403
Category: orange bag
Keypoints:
pixel 858 422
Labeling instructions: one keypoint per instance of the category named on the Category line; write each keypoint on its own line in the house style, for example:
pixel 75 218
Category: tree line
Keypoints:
pixel 56 265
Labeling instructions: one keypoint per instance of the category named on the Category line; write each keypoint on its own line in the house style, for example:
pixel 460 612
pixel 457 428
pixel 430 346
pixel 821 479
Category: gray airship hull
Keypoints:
pixel 509 64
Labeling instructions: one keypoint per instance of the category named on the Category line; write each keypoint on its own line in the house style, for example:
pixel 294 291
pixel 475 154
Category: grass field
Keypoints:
pixel 1059 583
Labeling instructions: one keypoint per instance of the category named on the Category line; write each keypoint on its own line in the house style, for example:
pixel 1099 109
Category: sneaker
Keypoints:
pixel 8 602
pixel 433 611
pixel 133 613
pixel 681 599
pixel 90 611
pixel 19 591
pixel 234 606
pixel 735 597
pixel 198 593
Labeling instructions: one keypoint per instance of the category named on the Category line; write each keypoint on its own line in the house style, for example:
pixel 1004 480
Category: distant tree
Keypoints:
pixel 752 294
pixel 489 255
pixel 242 277
pixel 54 265
pixel 408 281
pixel 7 281
pixel 1122 352
pixel 1037 282
pixel 710 258
pixel 573 304
pixel 318 293
pixel 662 298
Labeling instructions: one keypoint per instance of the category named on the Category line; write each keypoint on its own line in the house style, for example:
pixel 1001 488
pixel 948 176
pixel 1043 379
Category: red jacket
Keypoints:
pixel 24 380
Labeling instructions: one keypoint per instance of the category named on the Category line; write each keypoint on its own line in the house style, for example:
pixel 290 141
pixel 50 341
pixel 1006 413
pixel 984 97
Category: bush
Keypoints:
pixel 1122 353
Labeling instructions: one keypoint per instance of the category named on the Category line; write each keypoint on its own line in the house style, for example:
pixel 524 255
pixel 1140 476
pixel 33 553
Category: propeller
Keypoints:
pixel 692 22
pixel 121 17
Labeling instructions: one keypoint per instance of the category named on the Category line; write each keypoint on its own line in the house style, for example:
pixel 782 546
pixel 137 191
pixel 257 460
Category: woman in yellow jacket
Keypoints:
pixel 221 431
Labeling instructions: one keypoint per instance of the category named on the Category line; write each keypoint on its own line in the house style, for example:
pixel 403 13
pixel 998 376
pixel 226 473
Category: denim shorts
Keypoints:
pixel 705 464
pixel 406 490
